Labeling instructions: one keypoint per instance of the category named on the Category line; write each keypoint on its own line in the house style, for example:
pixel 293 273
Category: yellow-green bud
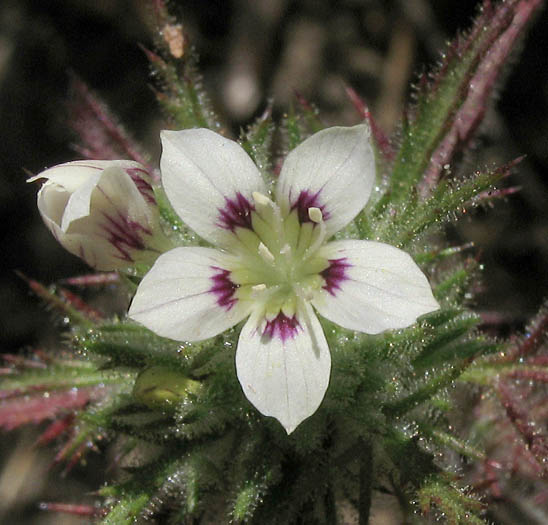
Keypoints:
pixel 159 387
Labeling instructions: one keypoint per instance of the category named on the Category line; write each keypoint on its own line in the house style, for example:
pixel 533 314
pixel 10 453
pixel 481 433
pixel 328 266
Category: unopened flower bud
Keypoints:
pixel 103 211
pixel 162 388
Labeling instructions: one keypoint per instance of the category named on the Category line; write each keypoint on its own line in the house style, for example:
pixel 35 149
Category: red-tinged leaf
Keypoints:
pixel 497 194
pixel 76 456
pixel 492 470
pixel 310 112
pixel 101 135
pixel 55 429
pixel 161 12
pixel 381 140
pixel 517 413
pixel 535 336
pixel 540 360
pixel 35 409
pixel 452 106
pixel 513 15
pixel 74 449
pixel 540 376
pixel 52 299
pixel 23 362
pixel 541 498
pixel 71 508
pixel 80 305
pixel 43 356
pixel 152 57
pixel 92 279
pixel 526 463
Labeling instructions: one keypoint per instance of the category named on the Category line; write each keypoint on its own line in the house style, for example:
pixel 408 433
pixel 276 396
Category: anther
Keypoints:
pixel 260 199
pixel 265 253
pixel 315 215
pixel 259 287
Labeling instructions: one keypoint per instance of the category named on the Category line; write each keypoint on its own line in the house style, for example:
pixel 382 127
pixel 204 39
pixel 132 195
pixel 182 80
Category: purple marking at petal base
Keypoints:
pixel 335 274
pixel 223 288
pixel 125 234
pixel 282 327
pixel 236 212
pixel 138 176
pixel 307 200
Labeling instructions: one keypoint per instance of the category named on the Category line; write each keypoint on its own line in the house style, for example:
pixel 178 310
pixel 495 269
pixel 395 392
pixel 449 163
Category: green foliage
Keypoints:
pixel 257 142
pixel 204 453
pixel 299 123
pixel 455 506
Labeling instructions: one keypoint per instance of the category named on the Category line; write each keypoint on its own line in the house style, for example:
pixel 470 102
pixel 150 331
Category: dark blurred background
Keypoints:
pixel 253 50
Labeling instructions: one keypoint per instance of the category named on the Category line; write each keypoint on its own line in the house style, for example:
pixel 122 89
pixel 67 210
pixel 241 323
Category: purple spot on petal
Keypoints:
pixel 282 327
pixel 139 176
pixel 223 288
pixel 335 274
pixel 308 200
pixel 124 234
pixel 236 212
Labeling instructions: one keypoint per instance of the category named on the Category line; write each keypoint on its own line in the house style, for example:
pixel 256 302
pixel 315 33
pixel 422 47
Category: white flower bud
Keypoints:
pixel 103 211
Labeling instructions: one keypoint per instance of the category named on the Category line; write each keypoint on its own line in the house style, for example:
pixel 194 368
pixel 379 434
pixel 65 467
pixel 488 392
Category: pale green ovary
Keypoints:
pixel 279 260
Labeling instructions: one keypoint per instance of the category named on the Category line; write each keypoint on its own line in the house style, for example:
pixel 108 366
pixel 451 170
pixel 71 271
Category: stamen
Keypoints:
pixel 259 287
pixel 270 212
pixel 265 253
pixel 318 241
pixel 315 215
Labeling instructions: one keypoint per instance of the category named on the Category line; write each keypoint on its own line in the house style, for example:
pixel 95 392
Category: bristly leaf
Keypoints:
pixel 298 123
pixel 512 413
pixel 403 223
pixel 310 113
pixel 481 86
pixel 132 345
pixel 181 96
pixel 71 508
pixel 66 303
pixel 381 141
pixel 101 135
pixel 452 103
pixel 257 142
pixel 35 409
pixel 451 502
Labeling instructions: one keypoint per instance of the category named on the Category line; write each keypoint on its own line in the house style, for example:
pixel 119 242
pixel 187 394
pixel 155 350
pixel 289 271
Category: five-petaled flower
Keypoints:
pixel 272 263
pixel 103 211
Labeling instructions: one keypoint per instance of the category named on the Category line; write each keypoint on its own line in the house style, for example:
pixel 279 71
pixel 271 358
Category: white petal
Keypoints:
pixel 371 287
pixel 284 375
pixel 71 175
pixel 176 298
pixel 79 203
pixel 209 181
pixel 117 191
pixel 97 214
pixel 333 170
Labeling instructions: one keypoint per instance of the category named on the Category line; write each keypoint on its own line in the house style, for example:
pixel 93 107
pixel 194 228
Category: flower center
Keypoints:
pixel 277 261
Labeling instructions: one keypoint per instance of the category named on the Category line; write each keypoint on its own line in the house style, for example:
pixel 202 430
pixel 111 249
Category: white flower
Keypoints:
pixel 272 263
pixel 102 211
